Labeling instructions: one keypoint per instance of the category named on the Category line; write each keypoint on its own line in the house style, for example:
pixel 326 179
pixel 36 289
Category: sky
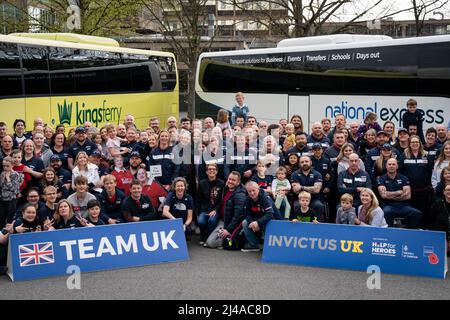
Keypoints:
pixel 389 6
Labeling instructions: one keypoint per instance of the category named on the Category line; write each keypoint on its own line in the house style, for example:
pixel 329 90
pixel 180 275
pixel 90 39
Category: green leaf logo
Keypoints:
pixel 65 113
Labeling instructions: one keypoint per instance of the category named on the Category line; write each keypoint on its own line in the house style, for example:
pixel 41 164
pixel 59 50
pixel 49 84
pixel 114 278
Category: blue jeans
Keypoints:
pixel 252 237
pixel 413 216
pixel 207 224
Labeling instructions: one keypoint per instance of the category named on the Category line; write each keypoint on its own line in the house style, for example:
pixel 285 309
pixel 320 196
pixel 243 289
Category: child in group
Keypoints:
pixel 346 214
pixel 264 181
pixel 289 142
pixel 94 208
pixel 414 116
pixel 18 167
pixel 280 188
pixel 292 164
pixel 81 197
pixel 370 122
pixel 301 212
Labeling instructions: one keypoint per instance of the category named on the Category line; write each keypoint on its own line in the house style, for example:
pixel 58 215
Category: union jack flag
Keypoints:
pixel 36 254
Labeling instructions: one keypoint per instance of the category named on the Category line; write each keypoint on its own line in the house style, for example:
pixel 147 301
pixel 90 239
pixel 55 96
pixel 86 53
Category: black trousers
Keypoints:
pixel 7 211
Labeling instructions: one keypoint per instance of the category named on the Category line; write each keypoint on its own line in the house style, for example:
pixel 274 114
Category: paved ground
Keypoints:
pixel 218 274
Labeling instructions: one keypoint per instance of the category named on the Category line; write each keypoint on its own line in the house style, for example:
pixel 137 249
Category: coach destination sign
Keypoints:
pixel 44 254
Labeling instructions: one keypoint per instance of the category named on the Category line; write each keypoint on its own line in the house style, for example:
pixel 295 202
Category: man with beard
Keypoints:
pixel 121 131
pixel 154 124
pixel 135 163
pixel 64 176
pixel 81 144
pixel 301 145
pixel 309 180
pixel 231 211
pixel 338 141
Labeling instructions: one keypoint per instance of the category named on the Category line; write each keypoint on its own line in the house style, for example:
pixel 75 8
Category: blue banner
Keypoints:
pixel 397 251
pixel 45 254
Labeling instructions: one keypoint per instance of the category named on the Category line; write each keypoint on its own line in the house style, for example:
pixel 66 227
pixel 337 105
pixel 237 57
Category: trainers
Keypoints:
pixel 248 248
pixel 202 243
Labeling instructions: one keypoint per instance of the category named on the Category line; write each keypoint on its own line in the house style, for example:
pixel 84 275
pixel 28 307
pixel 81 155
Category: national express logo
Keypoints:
pixel 433 115
pixel 84 113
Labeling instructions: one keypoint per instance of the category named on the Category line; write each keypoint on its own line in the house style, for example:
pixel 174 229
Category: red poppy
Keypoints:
pixel 433 258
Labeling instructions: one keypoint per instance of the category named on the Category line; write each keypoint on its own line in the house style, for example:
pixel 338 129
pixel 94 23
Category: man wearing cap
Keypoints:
pixel 96 158
pixel 64 176
pixel 374 154
pixel 135 163
pixel 402 140
pixel 317 136
pixel 395 192
pixel 81 144
pixel 322 164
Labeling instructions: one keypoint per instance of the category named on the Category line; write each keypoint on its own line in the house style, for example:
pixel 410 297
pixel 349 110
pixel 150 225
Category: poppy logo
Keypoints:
pixel 433 258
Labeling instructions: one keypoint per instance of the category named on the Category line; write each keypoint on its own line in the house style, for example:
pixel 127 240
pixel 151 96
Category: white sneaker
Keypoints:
pixel 250 249
pixel 202 243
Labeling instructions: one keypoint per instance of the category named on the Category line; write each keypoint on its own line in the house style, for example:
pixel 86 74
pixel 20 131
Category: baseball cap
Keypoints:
pixel 382 132
pixel 55 157
pixel 135 154
pixel 80 129
pixel 316 146
pixel 96 153
pixel 402 130
pixel 386 146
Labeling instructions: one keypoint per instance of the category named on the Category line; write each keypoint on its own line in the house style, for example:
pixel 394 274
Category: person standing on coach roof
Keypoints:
pixel 81 144
pixel 239 109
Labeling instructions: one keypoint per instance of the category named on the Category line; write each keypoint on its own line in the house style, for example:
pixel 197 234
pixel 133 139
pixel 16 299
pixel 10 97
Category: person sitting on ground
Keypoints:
pixel 180 205
pixel 29 222
pixel 81 197
pixel 301 211
pixel 94 209
pixel 231 211
pixel 369 212
pixel 258 212
pixel 138 207
pixel 346 213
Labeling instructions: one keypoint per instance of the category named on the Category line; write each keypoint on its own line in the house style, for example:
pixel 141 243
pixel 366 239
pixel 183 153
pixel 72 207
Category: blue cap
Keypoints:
pixel 80 129
pixel 96 153
pixel 55 157
pixel 386 146
pixel 316 146
pixel 135 154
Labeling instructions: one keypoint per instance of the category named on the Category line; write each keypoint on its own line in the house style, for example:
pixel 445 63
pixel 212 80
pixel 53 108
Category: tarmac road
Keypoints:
pixel 219 274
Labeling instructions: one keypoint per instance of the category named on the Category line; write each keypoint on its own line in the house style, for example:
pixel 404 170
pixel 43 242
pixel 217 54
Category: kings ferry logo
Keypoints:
pixel 65 113
pixel 84 112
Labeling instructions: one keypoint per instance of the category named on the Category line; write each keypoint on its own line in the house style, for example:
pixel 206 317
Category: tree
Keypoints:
pixel 422 9
pixel 97 17
pixel 186 25
pixel 301 18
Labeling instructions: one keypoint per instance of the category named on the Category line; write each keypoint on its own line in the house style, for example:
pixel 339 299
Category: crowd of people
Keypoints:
pixel 226 179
